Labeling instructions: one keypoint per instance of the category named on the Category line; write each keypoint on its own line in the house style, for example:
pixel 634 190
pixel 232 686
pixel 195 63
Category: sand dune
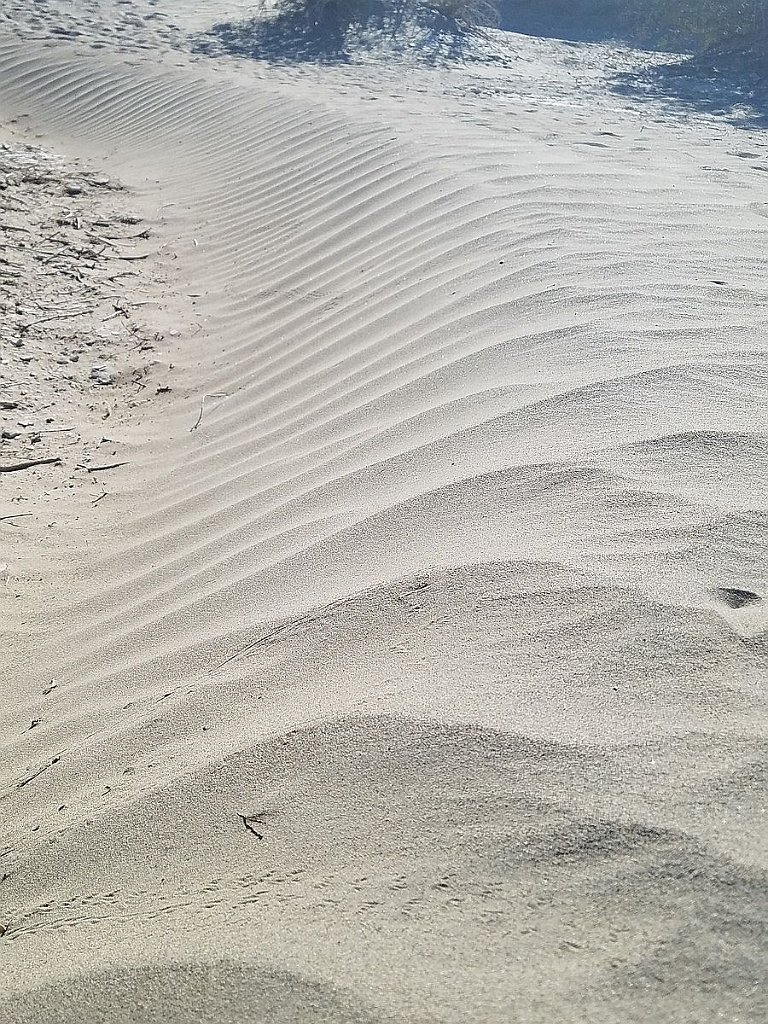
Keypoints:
pixel 414 683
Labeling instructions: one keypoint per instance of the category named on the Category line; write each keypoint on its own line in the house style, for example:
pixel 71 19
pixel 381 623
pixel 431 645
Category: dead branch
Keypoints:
pixel 56 316
pixel 139 256
pixel 15 467
pixel 103 469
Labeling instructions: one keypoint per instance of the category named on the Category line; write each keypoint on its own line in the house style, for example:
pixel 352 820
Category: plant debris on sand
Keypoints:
pixel 72 350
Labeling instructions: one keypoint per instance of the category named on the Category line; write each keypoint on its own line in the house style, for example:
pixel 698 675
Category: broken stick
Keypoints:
pixel 16 466
pixel 103 469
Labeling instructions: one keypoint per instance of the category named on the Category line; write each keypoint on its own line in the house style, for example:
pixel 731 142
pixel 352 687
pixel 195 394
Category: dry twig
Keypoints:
pixel 15 467
pixel 56 316
pixel 249 820
pixel 199 420
pixel 35 775
pixel 102 469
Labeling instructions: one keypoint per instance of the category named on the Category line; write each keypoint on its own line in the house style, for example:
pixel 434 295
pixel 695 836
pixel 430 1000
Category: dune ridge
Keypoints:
pixel 434 592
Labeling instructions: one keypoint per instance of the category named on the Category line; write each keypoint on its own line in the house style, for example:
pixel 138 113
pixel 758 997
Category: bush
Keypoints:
pixel 696 25
pixel 321 29
pixel 464 15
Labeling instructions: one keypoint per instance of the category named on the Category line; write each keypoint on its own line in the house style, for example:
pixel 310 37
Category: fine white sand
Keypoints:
pixel 424 681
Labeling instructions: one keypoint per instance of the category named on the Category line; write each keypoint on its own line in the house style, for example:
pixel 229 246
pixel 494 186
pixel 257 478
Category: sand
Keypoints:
pixel 412 667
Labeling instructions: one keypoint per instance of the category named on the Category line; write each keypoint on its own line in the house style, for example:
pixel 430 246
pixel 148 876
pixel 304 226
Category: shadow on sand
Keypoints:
pixel 737 94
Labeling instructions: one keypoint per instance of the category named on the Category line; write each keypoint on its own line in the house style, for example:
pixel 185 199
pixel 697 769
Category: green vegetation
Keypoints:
pixel 699 24
pixel 462 14
pixel 727 37
pixel 452 15
pixel 694 25
pixel 325 30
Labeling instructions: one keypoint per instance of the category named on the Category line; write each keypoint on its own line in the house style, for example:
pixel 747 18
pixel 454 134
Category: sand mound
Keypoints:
pixel 402 678
pixel 391 845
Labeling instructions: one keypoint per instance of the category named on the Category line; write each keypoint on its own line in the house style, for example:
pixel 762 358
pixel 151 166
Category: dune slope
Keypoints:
pixel 416 671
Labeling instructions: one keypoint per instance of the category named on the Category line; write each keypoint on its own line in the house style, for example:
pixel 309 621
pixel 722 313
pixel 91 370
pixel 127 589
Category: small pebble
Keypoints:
pixel 104 375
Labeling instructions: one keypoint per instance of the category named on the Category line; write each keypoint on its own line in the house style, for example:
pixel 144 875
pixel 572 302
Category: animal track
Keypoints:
pixel 413 898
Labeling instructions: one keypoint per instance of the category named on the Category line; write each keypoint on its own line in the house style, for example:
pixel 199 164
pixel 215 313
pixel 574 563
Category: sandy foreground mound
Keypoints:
pixel 412 667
